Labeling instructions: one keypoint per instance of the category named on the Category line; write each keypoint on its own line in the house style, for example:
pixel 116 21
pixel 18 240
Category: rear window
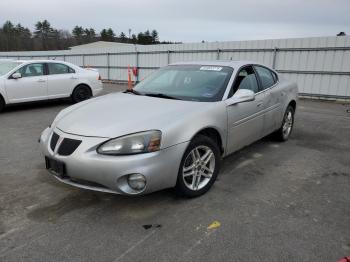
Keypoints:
pixel 57 69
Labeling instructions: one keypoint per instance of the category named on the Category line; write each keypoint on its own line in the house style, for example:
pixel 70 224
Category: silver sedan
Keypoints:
pixel 171 130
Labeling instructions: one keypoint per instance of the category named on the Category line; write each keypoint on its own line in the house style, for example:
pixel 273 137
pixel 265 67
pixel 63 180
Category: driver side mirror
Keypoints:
pixel 16 75
pixel 242 95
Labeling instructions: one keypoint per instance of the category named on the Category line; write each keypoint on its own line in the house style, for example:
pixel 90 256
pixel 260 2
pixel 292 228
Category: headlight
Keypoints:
pixel 143 142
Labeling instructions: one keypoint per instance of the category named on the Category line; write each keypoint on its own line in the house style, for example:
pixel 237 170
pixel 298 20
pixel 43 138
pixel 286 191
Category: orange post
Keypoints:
pixel 129 78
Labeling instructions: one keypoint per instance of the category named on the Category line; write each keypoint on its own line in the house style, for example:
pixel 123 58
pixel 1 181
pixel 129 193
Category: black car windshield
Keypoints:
pixel 203 83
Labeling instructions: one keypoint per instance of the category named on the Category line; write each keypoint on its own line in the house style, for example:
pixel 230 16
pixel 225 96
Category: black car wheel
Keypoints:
pixel 2 104
pixel 199 167
pixel 81 93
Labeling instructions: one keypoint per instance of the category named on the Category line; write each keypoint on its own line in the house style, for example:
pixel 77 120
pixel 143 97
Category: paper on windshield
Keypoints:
pixel 211 68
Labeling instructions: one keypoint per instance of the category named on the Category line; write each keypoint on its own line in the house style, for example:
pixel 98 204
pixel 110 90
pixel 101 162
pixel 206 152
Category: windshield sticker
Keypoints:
pixel 211 68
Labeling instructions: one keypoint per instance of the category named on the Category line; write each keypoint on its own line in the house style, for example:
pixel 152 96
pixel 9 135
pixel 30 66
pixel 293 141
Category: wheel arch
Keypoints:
pixel 2 98
pixel 82 84
pixel 293 104
pixel 214 134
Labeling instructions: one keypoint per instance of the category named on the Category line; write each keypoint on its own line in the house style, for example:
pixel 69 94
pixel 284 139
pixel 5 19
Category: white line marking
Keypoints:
pixel 134 246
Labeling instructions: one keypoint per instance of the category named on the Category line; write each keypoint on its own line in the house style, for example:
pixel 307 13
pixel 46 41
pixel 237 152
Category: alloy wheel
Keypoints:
pixel 287 124
pixel 198 168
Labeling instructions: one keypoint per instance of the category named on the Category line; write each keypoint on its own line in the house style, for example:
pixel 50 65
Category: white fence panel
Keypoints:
pixel 76 59
pixel 320 65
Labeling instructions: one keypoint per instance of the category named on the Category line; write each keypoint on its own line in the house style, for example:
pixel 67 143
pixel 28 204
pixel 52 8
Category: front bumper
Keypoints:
pixel 87 169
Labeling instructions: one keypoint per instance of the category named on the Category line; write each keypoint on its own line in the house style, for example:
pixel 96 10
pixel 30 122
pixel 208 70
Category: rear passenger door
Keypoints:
pixel 272 99
pixel 61 80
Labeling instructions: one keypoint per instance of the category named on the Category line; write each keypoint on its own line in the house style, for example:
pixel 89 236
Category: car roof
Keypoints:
pixel 34 61
pixel 230 63
pixel 42 61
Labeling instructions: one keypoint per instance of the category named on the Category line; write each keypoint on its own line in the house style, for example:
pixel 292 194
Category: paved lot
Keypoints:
pixel 274 202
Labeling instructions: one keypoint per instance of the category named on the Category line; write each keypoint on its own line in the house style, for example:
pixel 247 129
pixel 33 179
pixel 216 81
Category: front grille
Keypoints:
pixel 54 140
pixel 68 146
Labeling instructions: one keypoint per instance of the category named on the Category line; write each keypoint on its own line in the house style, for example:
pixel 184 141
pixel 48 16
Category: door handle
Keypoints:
pixel 73 77
pixel 259 104
pixel 41 80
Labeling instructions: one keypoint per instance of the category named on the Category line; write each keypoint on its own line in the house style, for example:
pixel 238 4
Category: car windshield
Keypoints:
pixel 203 83
pixel 6 67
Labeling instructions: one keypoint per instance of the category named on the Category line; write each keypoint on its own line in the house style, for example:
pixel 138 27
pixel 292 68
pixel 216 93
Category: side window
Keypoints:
pixel 246 79
pixel 57 69
pixel 36 69
pixel 266 78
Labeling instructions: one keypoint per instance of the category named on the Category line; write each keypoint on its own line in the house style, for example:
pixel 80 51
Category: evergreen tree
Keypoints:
pixel 107 35
pixel 43 31
pixel 78 33
pixel 89 35
pixel 17 37
pixel 155 37
pixel 123 38
pixel 134 39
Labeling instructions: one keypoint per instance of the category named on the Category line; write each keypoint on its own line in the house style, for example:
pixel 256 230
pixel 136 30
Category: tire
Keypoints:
pixel 197 175
pixel 283 133
pixel 81 93
pixel 2 104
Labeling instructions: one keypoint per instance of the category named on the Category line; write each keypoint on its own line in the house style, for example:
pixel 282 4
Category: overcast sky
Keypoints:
pixel 189 20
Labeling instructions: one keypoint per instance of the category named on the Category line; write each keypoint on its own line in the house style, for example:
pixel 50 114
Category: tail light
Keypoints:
pixel 99 77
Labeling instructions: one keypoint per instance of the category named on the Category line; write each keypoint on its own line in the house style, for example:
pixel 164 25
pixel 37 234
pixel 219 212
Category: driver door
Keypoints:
pixel 245 120
pixel 31 86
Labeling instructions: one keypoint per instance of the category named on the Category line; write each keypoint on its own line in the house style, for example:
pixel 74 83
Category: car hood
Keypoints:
pixel 119 114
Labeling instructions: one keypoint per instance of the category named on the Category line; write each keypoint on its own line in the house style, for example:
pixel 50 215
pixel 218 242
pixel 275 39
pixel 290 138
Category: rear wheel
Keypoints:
pixel 81 93
pixel 199 167
pixel 2 104
pixel 286 128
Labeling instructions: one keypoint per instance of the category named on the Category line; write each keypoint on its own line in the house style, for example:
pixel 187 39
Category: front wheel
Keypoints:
pixel 2 104
pixel 81 93
pixel 286 128
pixel 199 167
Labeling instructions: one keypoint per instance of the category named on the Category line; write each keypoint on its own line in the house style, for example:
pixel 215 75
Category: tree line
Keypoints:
pixel 19 38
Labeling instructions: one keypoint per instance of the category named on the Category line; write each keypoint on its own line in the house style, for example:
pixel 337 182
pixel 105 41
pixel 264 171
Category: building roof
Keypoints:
pixel 101 44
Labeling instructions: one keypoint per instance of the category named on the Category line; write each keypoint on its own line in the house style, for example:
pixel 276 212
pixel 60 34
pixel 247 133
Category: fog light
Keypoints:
pixel 137 181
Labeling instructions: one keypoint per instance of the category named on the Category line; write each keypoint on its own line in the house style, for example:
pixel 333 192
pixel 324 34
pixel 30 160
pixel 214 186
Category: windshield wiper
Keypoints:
pixel 133 92
pixel 160 95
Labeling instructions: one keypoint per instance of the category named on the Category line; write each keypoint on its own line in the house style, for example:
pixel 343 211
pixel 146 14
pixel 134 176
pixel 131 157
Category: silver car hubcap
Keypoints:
pixel 287 124
pixel 198 167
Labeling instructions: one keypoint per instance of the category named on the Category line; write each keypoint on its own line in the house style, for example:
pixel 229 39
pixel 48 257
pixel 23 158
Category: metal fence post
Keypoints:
pixel 218 54
pixel 137 66
pixel 83 60
pixel 108 67
pixel 64 57
pixel 275 50
pixel 168 57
